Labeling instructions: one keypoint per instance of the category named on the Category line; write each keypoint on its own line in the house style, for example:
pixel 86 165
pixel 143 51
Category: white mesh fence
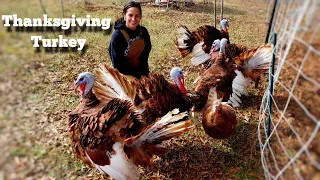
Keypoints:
pixel 293 151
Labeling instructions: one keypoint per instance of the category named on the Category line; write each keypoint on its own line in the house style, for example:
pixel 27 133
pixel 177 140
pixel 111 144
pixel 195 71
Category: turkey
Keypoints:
pixel 155 96
pixel 219 119
pixel 257 58
pixel 231 51
pixel 160 96
pixel 254 62
pixel 203 37
pixel 229 82
pixel 261 54
pixel 232 79
pixel 108 132
pixel 200 57
pixel 87 111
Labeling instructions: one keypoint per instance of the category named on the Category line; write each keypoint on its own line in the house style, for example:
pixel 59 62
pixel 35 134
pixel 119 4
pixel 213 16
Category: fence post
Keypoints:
pixel 221 14
pixel 271 77
pixel 215 13
pixel 271 20
pixel 62 9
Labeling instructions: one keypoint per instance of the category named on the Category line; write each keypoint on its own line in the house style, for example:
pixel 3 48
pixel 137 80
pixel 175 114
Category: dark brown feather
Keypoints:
pixel 160 97
pixel 99 157
pixel 220 125
pixel 192 40
pixel 243 58
pixel 95 126
pixel 232 51
pixel 89 105
pixel 116 121
pixel 205 33
pixel 208 34
pixel 220 76
pixel 141 151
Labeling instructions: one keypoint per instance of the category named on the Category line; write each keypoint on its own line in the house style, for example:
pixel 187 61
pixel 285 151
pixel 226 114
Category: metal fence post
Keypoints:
pixel 271 77
pixel 271 20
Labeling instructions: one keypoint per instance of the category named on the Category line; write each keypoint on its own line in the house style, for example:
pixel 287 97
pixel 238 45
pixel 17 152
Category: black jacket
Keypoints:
pixel 118 45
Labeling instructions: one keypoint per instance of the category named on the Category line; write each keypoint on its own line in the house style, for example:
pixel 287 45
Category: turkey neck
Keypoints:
pixel 220 61
pixel 90 99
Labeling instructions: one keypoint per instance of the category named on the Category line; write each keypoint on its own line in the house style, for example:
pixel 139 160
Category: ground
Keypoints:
pixel 294 125
pixel 37 95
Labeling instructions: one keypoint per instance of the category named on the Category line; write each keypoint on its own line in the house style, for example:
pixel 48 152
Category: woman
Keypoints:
pixel 130 43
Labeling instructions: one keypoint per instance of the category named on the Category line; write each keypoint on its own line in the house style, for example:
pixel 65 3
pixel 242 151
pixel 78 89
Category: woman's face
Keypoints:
pixel 132 17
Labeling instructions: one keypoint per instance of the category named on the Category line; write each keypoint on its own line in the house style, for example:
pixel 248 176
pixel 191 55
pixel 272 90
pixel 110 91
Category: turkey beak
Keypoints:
pixel 76 85
pixel 192 109
pixel 225 28
pixel 212 48
pixel 181 81
pixel 216 109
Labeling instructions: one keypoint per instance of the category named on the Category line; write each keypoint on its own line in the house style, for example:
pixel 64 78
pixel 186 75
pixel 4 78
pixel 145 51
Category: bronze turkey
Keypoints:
pixel 109 132
pixel 203 37
pixel 219 119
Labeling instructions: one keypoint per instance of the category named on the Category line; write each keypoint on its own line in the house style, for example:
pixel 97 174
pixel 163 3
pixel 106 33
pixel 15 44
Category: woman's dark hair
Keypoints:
pixel 126 7
pixel 130 5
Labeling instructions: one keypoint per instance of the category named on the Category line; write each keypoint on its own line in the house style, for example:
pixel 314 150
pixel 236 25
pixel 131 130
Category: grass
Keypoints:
pixel 36 94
